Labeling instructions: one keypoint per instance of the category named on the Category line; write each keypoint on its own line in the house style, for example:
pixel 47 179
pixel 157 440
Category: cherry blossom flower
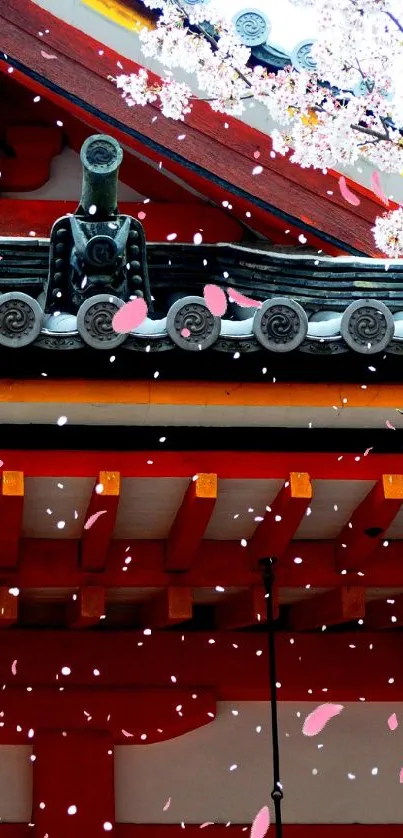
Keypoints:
pixel 348 106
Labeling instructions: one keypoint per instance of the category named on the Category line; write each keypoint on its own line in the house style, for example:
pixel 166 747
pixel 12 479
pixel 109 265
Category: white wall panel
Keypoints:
pixel 194 770
pixel 15 783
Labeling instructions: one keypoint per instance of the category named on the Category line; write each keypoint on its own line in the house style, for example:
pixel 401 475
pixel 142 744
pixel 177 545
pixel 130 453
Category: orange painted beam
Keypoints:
pixel 385 613
pixel 342 605
pixel 8 608
pixel 244 609
pixel 11 512
pixel 273 535
pixel 86 608
pixel 169 607
pixel 359 540
pixel 209 393
pixel 191 521
pixel 97 535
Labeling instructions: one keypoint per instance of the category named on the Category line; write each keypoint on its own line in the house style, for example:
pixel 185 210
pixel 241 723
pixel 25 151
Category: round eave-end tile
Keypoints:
pixel 281 325
pixel 252 26
pixel 191 325
pixel 367 326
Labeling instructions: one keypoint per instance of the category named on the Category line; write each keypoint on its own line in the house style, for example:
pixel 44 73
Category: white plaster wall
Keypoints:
pixel 194 770
pixel 15 783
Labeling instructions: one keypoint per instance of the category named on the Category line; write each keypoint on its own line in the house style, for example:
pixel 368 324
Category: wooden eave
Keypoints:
pixel 98 536
pixel 215 160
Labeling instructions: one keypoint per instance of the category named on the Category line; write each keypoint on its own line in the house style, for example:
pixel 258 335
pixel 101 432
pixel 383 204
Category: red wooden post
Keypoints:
pixel 73 770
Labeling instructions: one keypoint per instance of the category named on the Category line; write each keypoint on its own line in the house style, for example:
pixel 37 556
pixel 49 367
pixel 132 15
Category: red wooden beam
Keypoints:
pixel 343 605
pixel 208 145
pixel 96 536
pixel 191 521
pixel 8 608
pixel 86 608
pixel 349 664
pixel 315 830
pixel 244 609
pixel 360 539
pixel 11 512
pixel 54 563
pixel 305 830
pixel 98 708
pixel 19 218
pixel 169 607
pixel 385 613
pixel 274 534
pixel 237 465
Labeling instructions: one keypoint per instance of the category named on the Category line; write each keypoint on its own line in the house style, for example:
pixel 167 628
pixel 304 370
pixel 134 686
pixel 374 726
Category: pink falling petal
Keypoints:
pixel 241 300
pixel 401 775
pixel 367 451
pixel 256 154
pixel 389 425
pixel 261 823
pixel 316 721
pixel 392 722
pixel 215 300
pixel 167 805
pixel 14 667
pixel 377 188
pixel 47 55
pixel 91 520
pixel 347 194
pixel 141 215
pixel 130 316
pixel 185 333
pixel 127 734
pixel 207 823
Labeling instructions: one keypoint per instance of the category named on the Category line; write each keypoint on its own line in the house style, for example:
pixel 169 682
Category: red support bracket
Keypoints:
pixel 360 539
pixel 96 536
pixel 169 607
pixel 87 608
pixel 273 535
pixel 191 522
pixel 11 512
pixel 342 605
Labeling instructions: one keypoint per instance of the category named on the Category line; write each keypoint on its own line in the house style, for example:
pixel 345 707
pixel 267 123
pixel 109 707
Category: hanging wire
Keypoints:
pixel 267 566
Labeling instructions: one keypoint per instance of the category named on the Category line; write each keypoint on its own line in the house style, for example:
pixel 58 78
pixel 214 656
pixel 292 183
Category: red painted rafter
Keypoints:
pixel 11 511
pixel 244 609
pixel 224 153
pixel 169 607
pixel 19 218
pixel 86 608
pixel 191 521
pixel 96 536
pixel 342 605
pixel 360 539
pixel 281 521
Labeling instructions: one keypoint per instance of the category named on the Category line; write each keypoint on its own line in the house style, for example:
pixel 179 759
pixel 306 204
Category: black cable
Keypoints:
pixel 267 566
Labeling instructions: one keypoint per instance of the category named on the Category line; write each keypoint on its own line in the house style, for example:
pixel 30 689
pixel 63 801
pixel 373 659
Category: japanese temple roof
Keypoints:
pixel 319 305
pixel 217 156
